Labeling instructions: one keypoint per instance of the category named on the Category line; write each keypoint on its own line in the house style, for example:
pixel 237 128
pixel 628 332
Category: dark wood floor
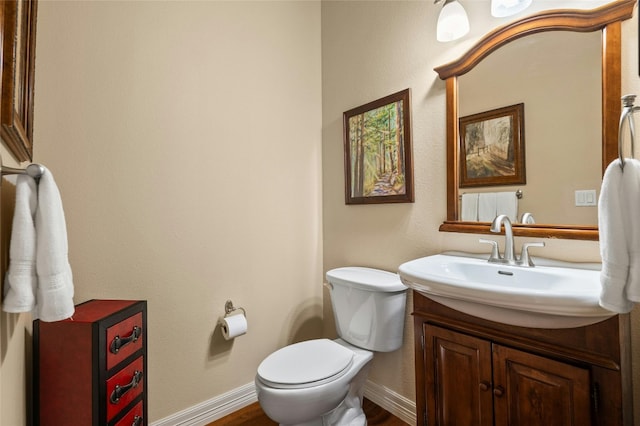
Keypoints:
pixel 254 416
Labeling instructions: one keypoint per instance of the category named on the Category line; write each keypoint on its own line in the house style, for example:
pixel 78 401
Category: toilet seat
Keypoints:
pixel 305 364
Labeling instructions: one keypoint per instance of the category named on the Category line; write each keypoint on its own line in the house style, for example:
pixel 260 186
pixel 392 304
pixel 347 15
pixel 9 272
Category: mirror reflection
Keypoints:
pixel 562 97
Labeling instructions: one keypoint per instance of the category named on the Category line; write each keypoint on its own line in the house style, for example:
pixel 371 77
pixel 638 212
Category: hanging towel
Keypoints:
pixel 21 281
pixel 53 287
pixel 619 229
pixel 507 203
pixel 469 207
pixel 487 207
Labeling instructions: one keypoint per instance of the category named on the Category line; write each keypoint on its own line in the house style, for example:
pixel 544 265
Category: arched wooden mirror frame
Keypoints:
pixel 608 19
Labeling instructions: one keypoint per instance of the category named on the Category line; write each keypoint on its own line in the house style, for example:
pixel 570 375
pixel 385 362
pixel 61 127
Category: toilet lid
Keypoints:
pixel 305 363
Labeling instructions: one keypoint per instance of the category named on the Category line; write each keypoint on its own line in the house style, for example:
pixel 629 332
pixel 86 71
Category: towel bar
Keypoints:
pixel 34 170
pixel 519 194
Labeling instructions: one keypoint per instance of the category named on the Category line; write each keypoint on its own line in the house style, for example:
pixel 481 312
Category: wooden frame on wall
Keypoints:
pixel 18 71
pixel 492 147
pixel 377 151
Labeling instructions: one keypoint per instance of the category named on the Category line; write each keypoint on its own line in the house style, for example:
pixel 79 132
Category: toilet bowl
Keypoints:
pixel 323 387
pixel 321 382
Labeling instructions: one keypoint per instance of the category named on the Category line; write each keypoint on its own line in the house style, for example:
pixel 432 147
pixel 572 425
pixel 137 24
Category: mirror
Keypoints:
pixel 603 26
pixel 567 65
pixel 18 68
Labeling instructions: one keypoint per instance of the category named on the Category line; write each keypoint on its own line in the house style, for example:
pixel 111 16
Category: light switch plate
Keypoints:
pixel 586 198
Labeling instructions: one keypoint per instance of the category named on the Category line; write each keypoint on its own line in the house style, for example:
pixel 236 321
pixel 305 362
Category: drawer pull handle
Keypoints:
pixel 119 342
pixel 137 421
pixel 119 391
pixel 498 391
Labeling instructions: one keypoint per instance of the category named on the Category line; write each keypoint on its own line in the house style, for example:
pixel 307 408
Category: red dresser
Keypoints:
pixel 91 370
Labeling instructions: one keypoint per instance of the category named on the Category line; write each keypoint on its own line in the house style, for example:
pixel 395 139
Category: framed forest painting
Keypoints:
pixel 377 151
pixel 492 148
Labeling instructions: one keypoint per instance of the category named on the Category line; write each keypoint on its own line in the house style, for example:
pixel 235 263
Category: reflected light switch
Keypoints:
pixel 586 198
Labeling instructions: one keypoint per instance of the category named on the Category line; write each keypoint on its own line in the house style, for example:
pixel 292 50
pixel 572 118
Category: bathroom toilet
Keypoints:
pixel 321 381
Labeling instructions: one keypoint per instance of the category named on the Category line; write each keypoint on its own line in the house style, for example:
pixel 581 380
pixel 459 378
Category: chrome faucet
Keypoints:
pixel 509 257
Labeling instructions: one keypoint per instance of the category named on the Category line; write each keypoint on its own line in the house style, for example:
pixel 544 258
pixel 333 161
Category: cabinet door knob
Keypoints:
pixel 498 391
pixel 484 386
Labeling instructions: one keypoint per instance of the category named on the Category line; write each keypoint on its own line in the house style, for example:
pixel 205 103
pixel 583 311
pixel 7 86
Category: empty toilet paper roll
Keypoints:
pixel 233 326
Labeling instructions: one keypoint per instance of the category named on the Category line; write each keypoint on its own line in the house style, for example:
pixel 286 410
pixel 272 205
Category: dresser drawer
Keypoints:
pixel 124 339
pixel 124 386
pixel 135 417
pixel 80 347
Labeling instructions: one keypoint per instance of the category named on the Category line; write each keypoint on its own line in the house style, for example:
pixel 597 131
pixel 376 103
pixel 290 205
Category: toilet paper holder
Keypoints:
pixel 229 309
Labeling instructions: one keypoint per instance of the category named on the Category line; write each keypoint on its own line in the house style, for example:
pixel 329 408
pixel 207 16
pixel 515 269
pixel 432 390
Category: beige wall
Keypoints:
pixel 369 50
pixel 185 138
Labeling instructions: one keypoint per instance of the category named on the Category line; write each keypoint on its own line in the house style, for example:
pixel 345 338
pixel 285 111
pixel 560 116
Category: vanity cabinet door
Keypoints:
pixel 472 381
pixel 531 390
pixel 458 378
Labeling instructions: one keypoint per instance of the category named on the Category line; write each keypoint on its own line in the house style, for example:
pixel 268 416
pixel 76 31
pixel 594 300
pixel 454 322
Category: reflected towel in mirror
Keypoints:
pixel 469 207
pixel 507 203
pixel 487 208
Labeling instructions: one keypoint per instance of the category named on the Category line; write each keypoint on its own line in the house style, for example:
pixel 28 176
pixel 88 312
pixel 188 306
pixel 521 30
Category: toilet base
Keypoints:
pixel 349 412
pixel 341 416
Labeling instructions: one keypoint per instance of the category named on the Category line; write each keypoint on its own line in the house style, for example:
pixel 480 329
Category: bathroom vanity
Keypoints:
pixel 472 371
pixel 511 345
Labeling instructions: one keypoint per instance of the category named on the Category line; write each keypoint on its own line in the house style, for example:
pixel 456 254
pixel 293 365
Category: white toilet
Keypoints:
pixel 321 382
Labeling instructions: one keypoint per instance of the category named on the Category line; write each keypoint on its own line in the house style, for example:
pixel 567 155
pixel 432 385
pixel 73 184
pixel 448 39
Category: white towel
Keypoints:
pixel 54 283
pixel 21 281
pixel 469 207
pixel 507 203
pixel 619 229
pixel 487 207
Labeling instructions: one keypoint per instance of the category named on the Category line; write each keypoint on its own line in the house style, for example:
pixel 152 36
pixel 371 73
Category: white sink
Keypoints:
pixel 550 295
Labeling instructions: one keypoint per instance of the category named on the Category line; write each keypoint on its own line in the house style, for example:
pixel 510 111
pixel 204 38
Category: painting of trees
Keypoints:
pixel 492 147
pixel 376 141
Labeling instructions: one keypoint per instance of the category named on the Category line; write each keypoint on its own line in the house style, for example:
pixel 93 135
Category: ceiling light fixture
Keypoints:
pixel 502 8
pixel 453 22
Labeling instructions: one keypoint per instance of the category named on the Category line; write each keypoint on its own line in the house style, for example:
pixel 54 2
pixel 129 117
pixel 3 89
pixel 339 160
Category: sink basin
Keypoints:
pixel 550 295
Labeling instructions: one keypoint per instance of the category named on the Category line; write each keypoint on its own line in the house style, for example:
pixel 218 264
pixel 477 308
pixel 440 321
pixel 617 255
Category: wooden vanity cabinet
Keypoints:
pixel 471 371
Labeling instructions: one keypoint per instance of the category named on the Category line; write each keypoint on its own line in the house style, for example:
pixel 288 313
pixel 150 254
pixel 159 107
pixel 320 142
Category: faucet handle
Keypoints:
pixel 495 253
pixel 525 259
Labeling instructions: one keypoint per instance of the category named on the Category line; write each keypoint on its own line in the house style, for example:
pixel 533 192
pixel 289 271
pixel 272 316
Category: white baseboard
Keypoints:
pixel 212 409
pixel 401 407
pixel 215 408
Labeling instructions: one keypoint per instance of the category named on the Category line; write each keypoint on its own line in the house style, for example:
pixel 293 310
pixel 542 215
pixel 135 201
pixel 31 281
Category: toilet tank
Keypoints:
pixel 368 307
